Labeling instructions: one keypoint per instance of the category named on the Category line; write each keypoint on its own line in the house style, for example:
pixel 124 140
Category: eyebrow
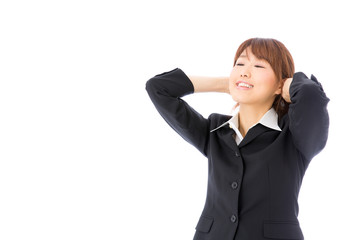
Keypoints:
pixel 243 56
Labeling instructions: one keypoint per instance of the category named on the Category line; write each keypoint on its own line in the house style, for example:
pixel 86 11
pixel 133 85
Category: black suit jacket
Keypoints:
pixel 252 188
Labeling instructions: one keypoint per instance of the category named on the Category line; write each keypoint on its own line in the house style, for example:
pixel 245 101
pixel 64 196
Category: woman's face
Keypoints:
pixel 252 81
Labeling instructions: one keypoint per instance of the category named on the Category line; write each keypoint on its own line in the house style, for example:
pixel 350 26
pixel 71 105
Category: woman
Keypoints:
pixel 258 157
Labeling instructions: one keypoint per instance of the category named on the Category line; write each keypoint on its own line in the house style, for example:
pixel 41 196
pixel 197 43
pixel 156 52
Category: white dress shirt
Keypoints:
pixel 270 120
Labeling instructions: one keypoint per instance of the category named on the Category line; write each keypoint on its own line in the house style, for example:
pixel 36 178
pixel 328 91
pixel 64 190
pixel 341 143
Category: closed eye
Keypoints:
pixel 239 64
pixel 259 66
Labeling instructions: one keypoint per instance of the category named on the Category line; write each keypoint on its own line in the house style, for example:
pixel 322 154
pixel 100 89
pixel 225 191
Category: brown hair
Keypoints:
pixel 279 58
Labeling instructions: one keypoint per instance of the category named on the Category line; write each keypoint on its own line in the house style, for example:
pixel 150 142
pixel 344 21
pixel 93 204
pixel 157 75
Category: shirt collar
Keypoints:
pixel 270 120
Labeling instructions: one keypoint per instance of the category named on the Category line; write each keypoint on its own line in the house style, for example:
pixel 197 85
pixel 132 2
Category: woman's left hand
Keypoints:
pixel 286 90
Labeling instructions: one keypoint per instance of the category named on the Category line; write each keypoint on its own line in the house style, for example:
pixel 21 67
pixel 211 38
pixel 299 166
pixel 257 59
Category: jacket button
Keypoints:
pixel 233 218
pixel 237 154
pixel 234 185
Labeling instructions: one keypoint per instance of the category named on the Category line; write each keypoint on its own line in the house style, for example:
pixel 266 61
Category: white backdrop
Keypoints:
pixel 85 155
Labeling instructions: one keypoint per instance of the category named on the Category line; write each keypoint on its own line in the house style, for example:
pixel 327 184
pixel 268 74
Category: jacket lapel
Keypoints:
pixel 252 134
pixel 226 134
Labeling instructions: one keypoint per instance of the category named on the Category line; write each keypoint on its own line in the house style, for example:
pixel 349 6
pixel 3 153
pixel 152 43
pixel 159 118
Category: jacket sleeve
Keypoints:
pixel 165 91
pixel 308 115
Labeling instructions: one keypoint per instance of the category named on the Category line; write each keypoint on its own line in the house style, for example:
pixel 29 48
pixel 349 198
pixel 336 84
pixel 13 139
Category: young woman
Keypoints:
pixel 257 158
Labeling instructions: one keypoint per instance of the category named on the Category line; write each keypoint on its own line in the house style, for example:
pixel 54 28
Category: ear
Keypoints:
pixel 279 89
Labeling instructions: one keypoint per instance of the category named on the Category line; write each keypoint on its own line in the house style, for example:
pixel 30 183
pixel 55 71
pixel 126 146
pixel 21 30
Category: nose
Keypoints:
pixel 245 73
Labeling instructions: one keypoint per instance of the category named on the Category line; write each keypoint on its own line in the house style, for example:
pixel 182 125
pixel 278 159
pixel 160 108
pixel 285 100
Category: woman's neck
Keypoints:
pixel 249 115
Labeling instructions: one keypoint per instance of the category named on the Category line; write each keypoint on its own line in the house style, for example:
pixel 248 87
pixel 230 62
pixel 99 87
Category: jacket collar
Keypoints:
pixel 269 120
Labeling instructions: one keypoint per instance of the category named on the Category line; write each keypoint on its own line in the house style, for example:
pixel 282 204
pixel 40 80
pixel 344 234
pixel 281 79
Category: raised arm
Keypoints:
pixel 308 115
pixel 165 91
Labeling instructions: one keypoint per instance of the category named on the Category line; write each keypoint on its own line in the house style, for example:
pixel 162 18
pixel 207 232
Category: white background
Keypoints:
pixel 85 155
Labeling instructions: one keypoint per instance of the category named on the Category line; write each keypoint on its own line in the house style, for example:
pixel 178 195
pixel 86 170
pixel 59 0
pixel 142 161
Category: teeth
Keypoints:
pixel 244 85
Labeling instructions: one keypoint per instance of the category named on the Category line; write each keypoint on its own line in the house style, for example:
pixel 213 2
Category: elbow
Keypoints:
pixel 311 94
pixel 149 85
pixel 305 89
pixel 152 87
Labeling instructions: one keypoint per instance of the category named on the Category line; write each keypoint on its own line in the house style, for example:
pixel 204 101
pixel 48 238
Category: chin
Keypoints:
pixel 239 99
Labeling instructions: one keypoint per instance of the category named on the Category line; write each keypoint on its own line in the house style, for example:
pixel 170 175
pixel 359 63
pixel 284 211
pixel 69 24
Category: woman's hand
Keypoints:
pixel 210 84
pixel 286 90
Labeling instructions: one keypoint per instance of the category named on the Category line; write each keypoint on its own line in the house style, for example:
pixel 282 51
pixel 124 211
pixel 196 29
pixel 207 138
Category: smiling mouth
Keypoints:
pixel 246 85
